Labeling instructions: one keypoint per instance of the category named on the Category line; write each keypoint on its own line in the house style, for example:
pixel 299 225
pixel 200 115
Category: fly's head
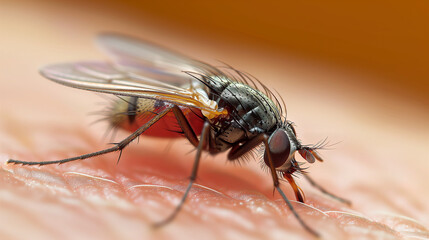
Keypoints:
pixel 283 145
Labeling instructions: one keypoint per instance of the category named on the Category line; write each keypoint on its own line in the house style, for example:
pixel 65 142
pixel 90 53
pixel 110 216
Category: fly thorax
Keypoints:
pixel 250 109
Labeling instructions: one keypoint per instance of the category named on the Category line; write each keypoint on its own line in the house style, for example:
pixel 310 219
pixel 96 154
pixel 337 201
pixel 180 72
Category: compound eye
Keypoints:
pixel 279 145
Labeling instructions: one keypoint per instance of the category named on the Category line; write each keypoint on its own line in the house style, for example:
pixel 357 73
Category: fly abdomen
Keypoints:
pixel 132 109
pixel 126 110
pixel 130 113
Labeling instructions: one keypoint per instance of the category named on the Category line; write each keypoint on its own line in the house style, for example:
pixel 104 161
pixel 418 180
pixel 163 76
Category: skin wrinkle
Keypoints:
pixel 192 199
pixel 171 168
pixel 139 165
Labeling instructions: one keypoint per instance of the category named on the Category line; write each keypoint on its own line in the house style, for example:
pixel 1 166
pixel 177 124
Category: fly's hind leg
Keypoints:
pixel 201 145
pixel 118 146
pixel 324 191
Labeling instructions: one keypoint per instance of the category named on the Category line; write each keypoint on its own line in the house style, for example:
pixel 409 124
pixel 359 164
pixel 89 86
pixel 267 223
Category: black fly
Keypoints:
pixel 164 91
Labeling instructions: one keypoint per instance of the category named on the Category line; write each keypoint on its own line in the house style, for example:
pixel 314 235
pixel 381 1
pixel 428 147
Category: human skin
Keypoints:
pixel 380 163
pixel 99 199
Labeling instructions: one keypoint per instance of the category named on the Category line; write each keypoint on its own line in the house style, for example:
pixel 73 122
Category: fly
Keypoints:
pixel 160 90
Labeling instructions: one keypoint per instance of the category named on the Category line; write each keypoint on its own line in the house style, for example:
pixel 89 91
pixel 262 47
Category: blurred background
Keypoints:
pixel 355 71
pixel 384 39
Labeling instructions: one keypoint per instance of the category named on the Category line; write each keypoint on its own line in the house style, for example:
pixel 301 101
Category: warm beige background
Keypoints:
pixel 354 72
pixel 388 38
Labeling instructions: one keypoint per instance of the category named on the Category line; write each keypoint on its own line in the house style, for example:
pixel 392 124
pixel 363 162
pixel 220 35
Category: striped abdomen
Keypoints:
pixel 130 113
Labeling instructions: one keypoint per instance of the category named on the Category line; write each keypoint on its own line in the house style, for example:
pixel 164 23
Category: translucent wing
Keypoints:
pixel 149 60
pixel 105 78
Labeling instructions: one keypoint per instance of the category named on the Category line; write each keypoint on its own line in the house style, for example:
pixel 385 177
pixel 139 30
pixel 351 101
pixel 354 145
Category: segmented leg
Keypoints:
pixel 239 150
pixel 323 190
pixel 297 190
pixel 118 147
pixel 277 186
pixel 185 126
pixel 201 144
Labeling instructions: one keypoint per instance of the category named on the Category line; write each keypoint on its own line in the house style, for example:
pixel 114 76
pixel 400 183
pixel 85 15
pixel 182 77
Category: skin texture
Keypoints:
pixel 380 163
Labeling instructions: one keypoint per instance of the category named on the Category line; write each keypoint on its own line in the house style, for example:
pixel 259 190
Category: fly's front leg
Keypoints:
pixel 277 186
pixel 314 184
pixel 118 146
pixel 323 190
pixel 297 190
pixel 201 144
pixel 239 150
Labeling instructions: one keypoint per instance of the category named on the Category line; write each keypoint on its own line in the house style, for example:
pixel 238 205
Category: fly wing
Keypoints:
pixel 105 78
pixel 147 59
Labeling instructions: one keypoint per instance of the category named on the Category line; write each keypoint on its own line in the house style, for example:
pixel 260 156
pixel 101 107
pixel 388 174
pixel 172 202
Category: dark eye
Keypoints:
pixel 279 145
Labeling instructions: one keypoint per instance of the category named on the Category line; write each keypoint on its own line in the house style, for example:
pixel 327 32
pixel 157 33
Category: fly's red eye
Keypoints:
pixel 279 145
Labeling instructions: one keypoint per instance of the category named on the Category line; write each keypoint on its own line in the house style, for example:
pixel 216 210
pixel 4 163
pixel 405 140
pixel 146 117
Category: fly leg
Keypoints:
pixel 239 150
pixel 185 126
pixel 118 147
pixel 323 190
pixel 297 190
pixel 277 186
pixel 201 145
